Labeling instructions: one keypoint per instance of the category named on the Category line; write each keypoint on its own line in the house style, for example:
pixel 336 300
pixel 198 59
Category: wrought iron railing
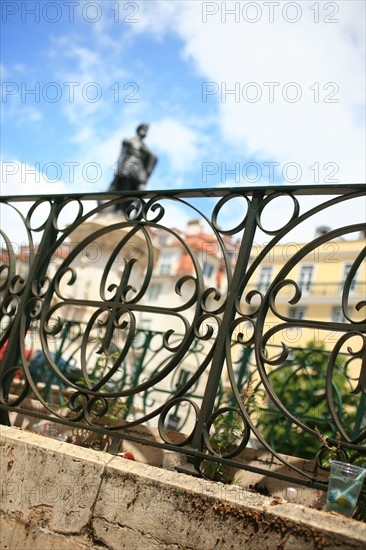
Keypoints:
pixel 69 260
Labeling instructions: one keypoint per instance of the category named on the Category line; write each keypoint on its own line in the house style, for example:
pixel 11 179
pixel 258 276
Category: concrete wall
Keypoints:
pixel 58 495
pixel 262 459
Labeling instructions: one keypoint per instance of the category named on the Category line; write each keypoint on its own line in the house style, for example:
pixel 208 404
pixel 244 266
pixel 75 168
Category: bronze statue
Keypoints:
pixel 135 164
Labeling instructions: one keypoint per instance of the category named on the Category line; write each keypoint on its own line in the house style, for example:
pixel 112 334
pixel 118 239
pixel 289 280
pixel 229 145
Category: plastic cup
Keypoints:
pixel 49 429
pixel 345 482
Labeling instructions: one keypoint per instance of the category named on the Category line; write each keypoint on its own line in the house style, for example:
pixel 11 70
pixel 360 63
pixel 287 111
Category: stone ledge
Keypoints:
pixel 262 459
pixel 82 498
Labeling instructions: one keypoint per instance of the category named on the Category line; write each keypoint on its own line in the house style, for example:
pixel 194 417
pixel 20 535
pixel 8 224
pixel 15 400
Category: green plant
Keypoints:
pixel 299 383
pixel 250 395
pixel 329 452
pixel 228 430
pixel 225 433
pixel 103 363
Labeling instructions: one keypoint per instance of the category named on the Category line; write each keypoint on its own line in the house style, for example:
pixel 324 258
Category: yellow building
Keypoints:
pixel 308 306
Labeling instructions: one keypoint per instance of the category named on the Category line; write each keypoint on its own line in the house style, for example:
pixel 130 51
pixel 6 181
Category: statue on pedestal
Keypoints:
pixel 135 165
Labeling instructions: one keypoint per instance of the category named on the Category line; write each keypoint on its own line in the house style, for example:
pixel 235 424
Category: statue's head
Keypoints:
pixel 142 129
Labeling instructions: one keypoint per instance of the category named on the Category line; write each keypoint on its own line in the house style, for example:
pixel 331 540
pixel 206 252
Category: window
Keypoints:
pixel 264 278
pixel 306 276
pixel 338 315
pixel 165 264
pixel 346 270
pixel 183 378
pixel 154 291
pixel 162 239
pixel 297 313
pixel 145 324
pixel 207 269
pixel 173 422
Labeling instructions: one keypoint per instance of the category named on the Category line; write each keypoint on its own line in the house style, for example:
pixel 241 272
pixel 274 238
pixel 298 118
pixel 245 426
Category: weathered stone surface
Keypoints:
pixel 62 479
pixel 149 508
pixel 154 456
pixel 15 535
pixel 57 495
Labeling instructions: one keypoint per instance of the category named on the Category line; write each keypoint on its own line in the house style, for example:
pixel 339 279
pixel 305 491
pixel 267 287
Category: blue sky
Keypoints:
pixel 296 114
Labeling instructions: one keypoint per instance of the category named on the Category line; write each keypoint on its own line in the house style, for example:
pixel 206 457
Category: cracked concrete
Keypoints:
pixel 58 495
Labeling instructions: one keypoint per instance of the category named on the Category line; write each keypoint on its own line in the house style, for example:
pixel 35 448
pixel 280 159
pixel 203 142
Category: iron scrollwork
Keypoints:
pixel 111 373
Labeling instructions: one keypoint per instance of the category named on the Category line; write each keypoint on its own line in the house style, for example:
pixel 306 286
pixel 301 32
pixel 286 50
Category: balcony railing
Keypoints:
pixel 328 289
pixel 71 262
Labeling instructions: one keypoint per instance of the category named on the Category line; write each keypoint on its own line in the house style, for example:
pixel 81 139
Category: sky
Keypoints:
pixel 236 93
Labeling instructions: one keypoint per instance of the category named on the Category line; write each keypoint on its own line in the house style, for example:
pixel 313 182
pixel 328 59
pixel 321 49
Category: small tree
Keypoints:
pixel 300 384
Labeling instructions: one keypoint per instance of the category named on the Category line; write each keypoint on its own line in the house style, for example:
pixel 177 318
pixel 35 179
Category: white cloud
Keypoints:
pixel 18 178
pixel 305 132
pixel 4 73
pixel 178 141
pixel 277 214
pixel 88 77
pixel 279 211
pixel 31 114
pixel 95 78
pixel 11 91
pixel 175 216
pixel 325 61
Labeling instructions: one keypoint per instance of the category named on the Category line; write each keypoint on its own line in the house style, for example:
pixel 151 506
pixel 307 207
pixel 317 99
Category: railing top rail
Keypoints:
pixel 319 189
